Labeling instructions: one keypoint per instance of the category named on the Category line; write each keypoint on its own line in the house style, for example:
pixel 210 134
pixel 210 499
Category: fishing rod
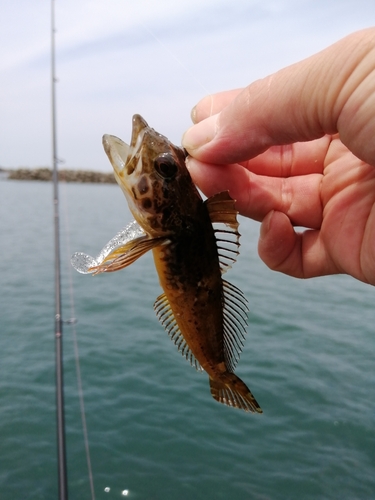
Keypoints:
pixel 60 417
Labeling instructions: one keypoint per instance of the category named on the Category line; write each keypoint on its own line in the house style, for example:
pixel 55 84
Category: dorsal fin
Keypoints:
pixel 235 323
pixel 223 216
pixel 220 206
pixel 166 317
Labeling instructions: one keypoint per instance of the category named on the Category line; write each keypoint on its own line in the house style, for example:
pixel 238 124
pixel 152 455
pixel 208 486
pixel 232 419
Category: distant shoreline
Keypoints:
pixel 65 175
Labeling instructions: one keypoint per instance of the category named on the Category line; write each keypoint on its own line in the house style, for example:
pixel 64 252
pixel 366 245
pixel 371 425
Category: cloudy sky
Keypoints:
pixel 153 57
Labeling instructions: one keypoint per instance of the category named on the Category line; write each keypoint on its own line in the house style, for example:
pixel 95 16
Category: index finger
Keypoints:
pixel 300 158
pixel 256 195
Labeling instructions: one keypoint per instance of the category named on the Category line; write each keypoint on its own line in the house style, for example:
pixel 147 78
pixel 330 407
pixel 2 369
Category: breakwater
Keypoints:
pixel 45 174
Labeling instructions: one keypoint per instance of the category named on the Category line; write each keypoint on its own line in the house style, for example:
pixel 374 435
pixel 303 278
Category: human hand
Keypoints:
pixel 298 149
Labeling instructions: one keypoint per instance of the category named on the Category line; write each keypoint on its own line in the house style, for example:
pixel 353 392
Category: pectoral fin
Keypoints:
pixel 126 254
pixel 123 249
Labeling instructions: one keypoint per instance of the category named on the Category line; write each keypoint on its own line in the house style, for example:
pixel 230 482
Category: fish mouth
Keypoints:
pixel 121 155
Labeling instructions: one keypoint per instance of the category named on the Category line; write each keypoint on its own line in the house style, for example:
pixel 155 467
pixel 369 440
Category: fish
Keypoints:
pixel 194 241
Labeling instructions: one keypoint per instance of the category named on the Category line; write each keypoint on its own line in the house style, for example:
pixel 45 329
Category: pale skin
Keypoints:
pixel 298 149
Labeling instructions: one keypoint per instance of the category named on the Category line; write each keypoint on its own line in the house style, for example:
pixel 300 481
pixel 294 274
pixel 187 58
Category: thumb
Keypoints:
pixel 332 91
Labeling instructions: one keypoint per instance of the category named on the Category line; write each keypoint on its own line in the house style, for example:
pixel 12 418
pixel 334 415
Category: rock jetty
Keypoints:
pixel 45 174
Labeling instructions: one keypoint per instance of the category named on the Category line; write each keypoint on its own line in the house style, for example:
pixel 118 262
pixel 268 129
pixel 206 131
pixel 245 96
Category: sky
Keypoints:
pixel 115 58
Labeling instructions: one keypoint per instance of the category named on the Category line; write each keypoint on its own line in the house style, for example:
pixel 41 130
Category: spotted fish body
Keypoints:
pixel 203 314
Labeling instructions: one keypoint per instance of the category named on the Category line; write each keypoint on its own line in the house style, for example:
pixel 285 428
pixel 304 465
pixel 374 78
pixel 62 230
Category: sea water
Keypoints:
pixel 154 430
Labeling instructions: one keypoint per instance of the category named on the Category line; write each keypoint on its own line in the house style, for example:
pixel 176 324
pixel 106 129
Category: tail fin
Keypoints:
pixel 230 390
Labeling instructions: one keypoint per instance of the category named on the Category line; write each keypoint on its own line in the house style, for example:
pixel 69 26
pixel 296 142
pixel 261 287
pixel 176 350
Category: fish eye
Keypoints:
pixel 166 166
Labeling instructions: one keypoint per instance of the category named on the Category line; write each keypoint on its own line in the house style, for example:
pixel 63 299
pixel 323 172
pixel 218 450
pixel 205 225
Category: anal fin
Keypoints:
pixel 167 318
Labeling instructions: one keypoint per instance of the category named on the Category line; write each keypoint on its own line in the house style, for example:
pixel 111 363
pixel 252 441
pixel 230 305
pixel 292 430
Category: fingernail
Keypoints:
pixel 200 134
pixel 193 114
pixel 266 224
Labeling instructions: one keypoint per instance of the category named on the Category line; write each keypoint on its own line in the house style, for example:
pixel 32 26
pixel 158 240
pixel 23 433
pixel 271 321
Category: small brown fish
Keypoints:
pixel 203 314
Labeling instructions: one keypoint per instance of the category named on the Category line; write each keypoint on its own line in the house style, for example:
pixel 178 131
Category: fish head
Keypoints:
pixel 152 173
